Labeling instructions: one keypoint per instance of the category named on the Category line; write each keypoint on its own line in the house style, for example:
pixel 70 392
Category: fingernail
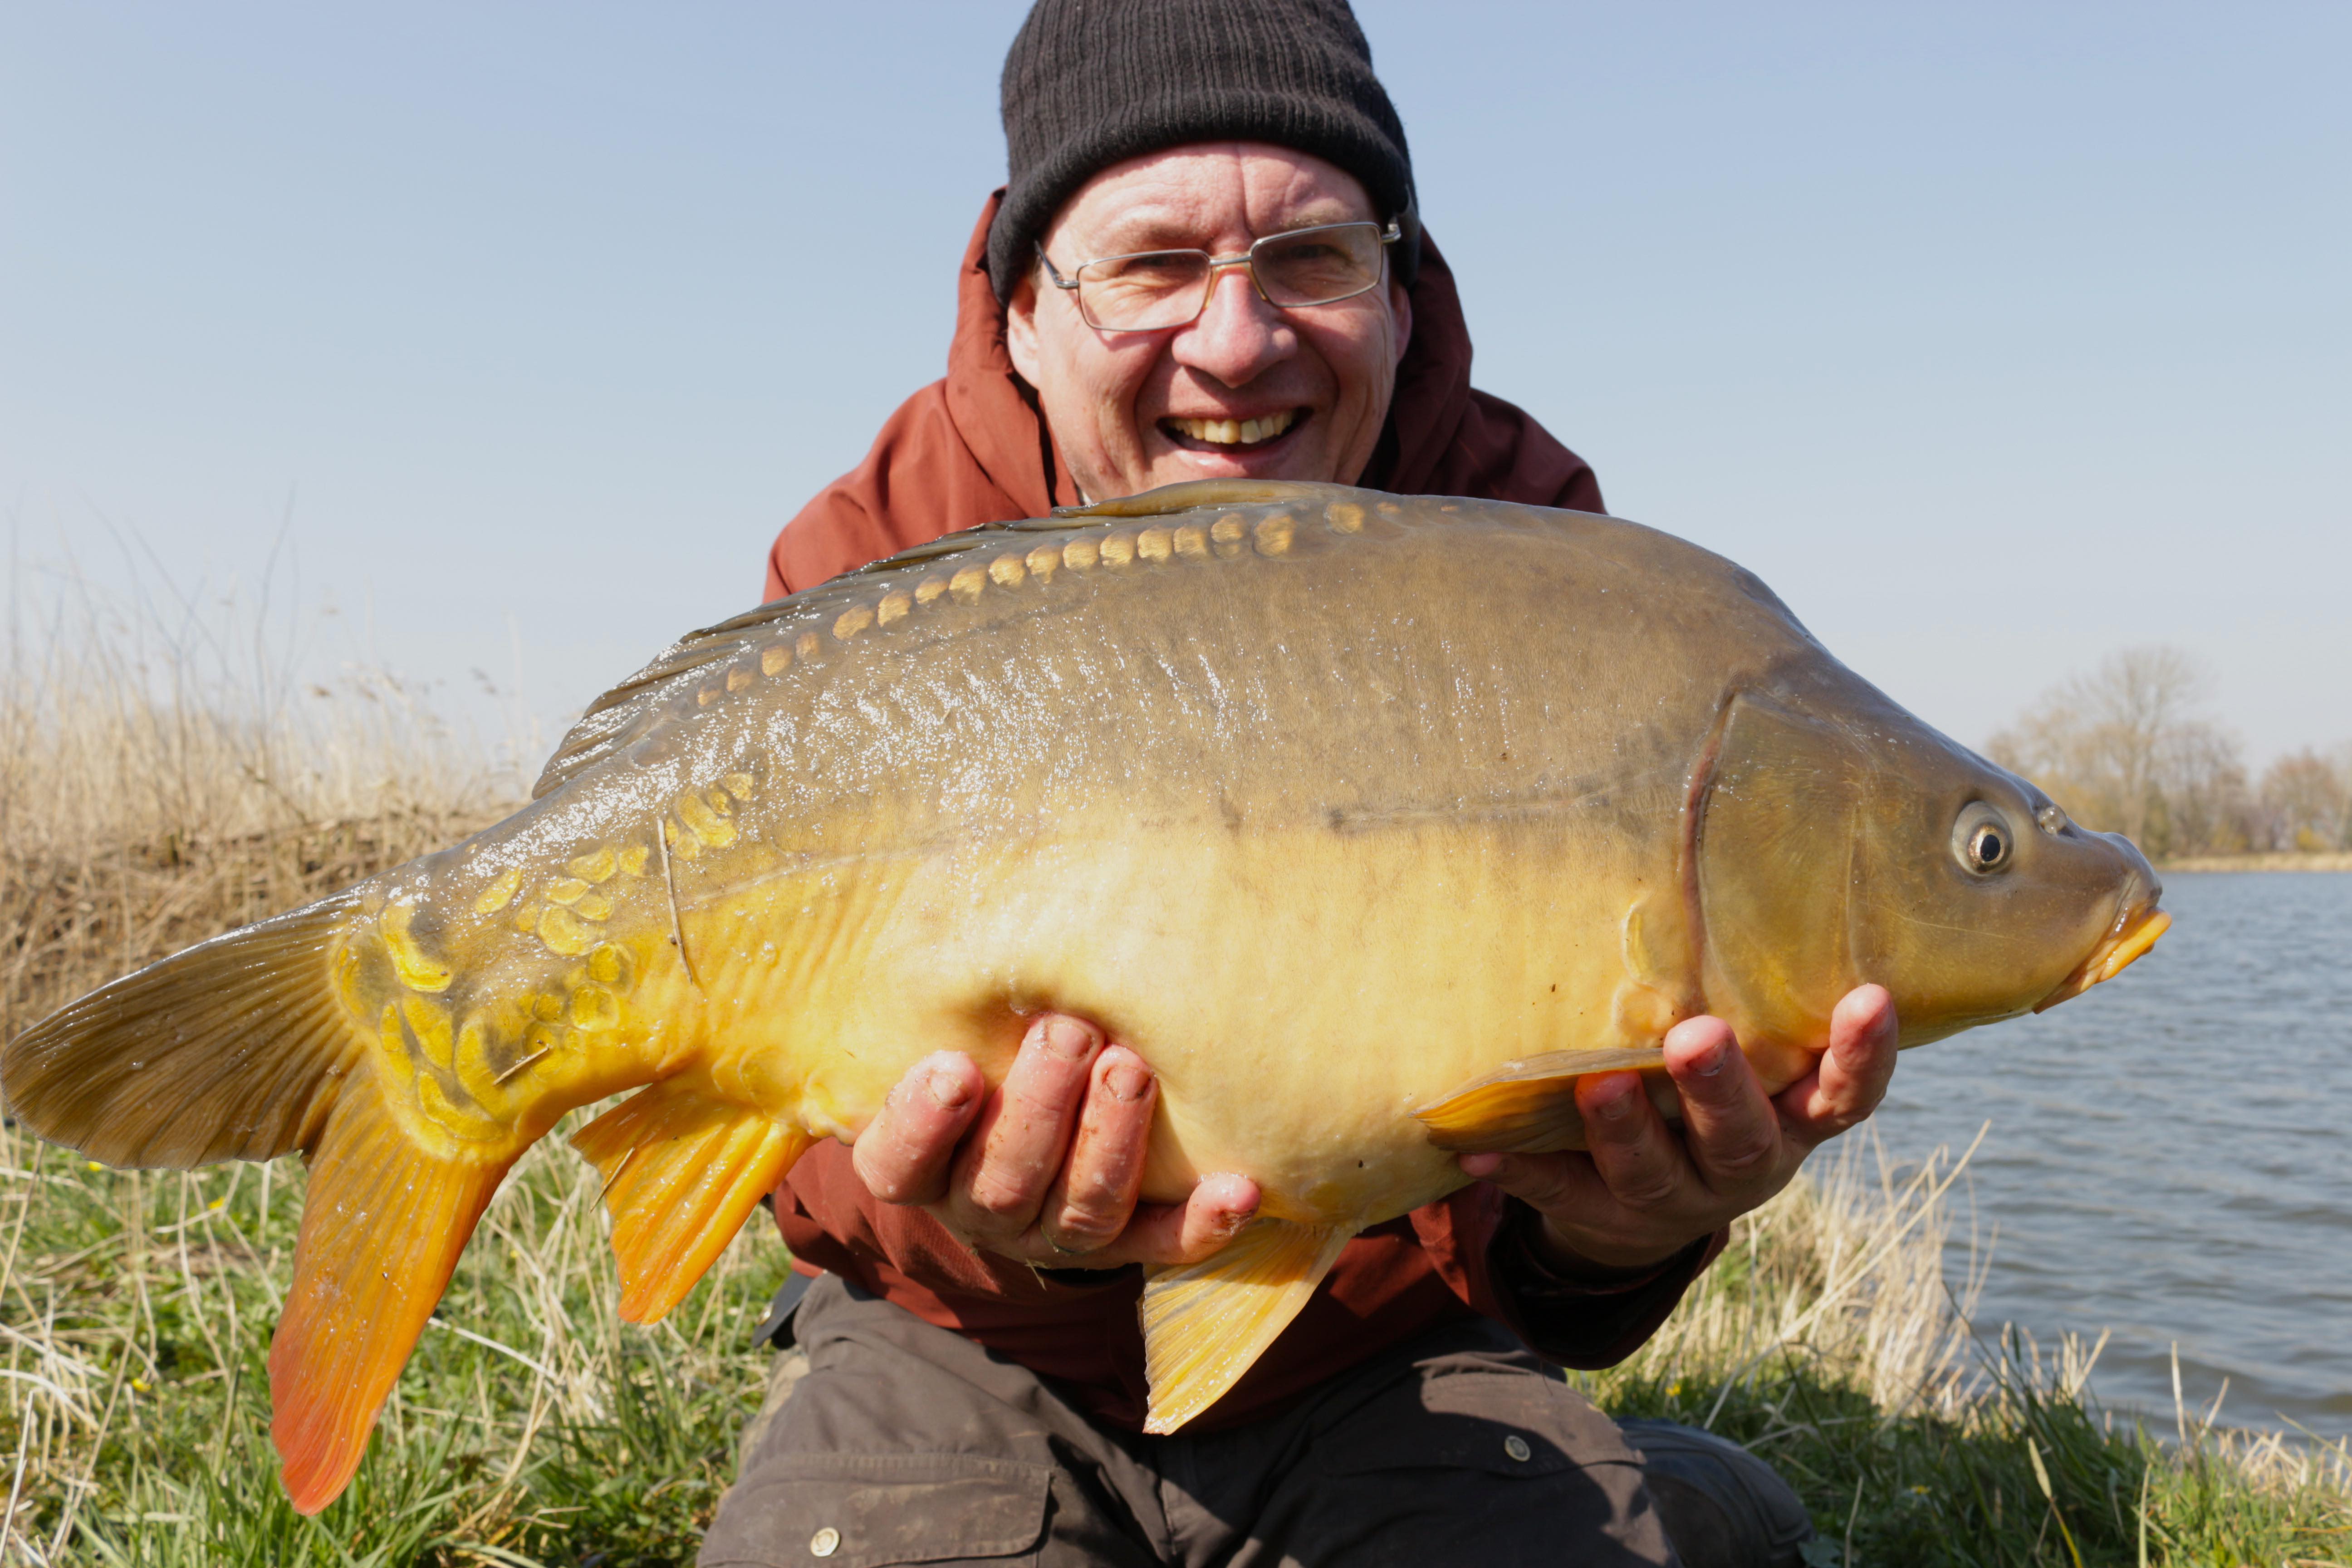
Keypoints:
pixel 1069 1039
pixel 1616 1102
pixel 1709 1062
pixel 1236 1211
pixel 1128 1083
pixel 1478 1167
pixel 947 1090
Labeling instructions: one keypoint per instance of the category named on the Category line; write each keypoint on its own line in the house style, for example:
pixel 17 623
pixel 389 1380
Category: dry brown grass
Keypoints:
pixel 157 791
pixel 2288 860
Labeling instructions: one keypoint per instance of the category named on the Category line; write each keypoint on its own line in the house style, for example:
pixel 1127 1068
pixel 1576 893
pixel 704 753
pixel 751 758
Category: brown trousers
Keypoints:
pixel 907 1443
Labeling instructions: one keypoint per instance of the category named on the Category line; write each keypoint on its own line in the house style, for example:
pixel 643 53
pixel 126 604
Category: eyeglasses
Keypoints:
pixel 1150 291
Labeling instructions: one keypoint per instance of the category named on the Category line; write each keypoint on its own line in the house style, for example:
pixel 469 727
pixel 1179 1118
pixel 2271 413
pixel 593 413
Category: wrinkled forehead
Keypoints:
pixel 1215 196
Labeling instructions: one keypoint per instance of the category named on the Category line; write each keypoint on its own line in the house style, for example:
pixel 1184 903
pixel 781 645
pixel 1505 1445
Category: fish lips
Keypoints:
pixel 2134 932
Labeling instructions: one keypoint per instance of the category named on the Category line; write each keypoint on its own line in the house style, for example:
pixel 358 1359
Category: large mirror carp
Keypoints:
pixel 1371 822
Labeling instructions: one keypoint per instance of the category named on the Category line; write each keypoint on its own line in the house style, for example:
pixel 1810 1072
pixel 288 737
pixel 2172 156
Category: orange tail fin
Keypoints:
pixel 681 1172
pixel 382 1230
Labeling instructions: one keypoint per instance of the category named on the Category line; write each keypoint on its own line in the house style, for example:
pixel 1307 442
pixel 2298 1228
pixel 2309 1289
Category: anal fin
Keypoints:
pixel 681 1172
pixel 1527 1106
pixel 383 1225
pixel 1204 1324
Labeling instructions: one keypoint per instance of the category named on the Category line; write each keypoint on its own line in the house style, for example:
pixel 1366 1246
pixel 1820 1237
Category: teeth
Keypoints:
pixel 1229 433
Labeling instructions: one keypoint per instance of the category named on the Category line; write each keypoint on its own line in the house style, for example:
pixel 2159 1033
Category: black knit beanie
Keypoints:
pixel 1088 83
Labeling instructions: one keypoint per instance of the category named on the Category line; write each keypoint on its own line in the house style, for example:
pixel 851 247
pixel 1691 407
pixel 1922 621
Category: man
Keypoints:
pixel 1207 264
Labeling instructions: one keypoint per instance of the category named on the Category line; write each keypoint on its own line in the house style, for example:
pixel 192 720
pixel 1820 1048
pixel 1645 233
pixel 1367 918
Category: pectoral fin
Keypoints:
pixel 1527 1106
pixel 681 1172
pixel 1205 1324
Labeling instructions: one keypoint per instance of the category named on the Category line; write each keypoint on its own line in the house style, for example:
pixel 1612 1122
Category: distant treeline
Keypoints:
pixel 2130 749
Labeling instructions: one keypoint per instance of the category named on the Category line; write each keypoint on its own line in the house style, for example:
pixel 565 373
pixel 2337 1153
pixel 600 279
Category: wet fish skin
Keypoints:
pixel 1371 822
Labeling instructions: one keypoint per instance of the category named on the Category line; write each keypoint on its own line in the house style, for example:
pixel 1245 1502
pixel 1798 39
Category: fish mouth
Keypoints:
pixel 2133 935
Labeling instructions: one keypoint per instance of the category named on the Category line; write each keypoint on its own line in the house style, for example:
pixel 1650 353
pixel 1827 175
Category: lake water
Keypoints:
pixel 2170 1157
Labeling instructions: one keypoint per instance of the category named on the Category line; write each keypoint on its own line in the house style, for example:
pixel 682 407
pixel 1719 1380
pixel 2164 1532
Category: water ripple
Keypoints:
pixel 2169 1156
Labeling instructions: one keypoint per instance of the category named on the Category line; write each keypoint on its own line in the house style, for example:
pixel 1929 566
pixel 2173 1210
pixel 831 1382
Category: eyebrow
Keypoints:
pixel 1126 237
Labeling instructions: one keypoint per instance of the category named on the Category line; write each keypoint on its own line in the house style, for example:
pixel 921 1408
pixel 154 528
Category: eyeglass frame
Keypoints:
pixel 1248 258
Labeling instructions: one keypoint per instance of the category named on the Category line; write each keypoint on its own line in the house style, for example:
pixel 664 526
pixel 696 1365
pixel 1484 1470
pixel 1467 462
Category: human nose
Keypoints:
pixel 1238 336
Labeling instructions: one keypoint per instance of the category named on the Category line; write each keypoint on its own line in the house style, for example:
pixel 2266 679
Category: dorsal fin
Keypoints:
pixel 623 713
pixel 629 711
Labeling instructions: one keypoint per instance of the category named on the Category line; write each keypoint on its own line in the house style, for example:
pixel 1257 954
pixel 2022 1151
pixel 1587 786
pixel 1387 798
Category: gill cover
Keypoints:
pixel 1776 847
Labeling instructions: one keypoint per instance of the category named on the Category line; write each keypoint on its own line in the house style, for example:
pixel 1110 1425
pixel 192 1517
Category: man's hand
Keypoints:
pixel 1005 1171
pixel 1641 1193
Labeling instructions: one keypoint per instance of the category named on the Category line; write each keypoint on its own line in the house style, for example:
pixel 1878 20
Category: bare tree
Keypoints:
pixel 2127 748
pixel 2307 801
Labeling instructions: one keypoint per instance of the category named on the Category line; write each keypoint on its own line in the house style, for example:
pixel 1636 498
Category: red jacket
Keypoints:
pixel 971 449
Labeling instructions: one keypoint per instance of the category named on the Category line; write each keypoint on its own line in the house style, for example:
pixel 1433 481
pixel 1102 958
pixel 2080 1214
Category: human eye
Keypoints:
pixel 1152 269
pixel 1314 264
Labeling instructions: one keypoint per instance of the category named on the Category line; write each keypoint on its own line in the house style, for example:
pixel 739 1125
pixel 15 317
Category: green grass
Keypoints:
pixel 137 1314
pixel 134 1421
pixel 1828 1341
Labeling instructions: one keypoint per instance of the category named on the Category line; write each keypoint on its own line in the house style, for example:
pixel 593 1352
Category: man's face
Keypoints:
pixel 1133 410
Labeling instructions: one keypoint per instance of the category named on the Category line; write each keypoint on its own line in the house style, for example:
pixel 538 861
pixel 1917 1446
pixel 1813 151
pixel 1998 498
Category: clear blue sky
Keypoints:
pixel 1994 337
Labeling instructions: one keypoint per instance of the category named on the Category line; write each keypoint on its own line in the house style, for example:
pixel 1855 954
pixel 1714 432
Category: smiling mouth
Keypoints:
pixel 1232 435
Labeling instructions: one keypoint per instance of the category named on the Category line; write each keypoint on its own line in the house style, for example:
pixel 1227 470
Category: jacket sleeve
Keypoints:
pixel 1477 1239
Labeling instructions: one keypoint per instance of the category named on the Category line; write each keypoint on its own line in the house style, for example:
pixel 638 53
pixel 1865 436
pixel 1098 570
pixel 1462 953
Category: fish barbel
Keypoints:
pixel 1371 823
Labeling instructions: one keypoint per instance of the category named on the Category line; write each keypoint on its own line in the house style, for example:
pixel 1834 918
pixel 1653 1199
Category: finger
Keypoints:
pixel 1188 1232
pixel 1640 1162
pixel 1549 1184
pixel 1854 1073
pixel 1015 1148
pixel 905 1151
pixel 1731 1128
pixel 1091 1202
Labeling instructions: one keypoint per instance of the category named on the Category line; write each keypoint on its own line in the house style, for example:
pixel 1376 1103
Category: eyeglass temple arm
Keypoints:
pixel 1053 273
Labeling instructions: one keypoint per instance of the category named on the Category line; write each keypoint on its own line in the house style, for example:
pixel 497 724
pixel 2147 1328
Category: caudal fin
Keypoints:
pixel 242 1049
pixel 235 1050
pixel 383 1225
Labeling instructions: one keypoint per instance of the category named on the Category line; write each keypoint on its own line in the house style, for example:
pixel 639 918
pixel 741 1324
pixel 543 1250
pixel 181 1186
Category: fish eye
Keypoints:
pixel 2053 819
pixel 1983 841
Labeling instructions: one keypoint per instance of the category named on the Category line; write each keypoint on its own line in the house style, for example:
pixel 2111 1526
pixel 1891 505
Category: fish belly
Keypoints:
pixel 1298 994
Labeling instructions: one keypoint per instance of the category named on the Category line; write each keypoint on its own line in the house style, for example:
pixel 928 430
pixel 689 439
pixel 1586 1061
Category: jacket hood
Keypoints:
pixel 973 447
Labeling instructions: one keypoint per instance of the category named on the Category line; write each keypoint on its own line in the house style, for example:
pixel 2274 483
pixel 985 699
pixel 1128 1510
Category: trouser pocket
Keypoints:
pixel 868 1511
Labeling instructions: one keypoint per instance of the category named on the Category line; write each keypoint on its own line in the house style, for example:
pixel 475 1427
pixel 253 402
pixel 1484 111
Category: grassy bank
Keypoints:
pixel 2313 861
pixel 1829 1340
pixel 154 793
pixel 534 1427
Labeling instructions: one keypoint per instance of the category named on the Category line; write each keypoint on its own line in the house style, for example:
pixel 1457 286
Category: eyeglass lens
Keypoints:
pixel 1170 288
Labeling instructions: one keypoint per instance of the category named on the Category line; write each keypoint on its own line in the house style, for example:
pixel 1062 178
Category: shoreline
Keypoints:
pixel 2286 860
